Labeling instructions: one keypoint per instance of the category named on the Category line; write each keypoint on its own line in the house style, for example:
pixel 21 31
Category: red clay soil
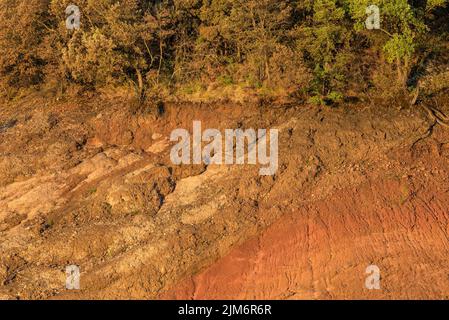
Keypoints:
pixel 322 250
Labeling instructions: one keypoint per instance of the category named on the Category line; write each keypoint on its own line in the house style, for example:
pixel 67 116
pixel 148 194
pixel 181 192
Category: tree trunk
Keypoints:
pixel 267 70
pixel 140 88
pixel 161 52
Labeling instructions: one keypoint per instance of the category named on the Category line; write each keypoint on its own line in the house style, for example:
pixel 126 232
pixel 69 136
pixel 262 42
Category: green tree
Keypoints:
pixel 324 38
pixel 403 27
pixel 240 38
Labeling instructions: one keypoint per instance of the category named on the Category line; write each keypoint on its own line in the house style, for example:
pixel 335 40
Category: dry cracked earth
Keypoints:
pixel 90 183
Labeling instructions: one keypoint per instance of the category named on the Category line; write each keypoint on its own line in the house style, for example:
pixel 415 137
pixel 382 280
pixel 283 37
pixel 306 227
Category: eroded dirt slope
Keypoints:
pixel 90 183
pixel 322 249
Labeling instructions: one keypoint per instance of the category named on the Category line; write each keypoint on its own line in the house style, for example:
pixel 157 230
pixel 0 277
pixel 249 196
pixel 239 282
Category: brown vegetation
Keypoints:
pixel 317 50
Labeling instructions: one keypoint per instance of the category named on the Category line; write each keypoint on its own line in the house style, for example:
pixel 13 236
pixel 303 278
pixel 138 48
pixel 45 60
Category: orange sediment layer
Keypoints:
pixel 322 250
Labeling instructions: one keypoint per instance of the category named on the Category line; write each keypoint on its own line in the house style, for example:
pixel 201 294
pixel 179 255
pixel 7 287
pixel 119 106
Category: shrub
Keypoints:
pixel 22 28
pixel 313 46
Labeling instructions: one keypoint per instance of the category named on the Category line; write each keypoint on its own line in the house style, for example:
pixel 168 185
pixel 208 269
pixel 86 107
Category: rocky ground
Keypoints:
pixel 90 183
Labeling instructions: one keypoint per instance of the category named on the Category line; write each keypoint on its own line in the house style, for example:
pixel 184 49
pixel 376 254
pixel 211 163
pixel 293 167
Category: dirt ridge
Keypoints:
pixel 137 225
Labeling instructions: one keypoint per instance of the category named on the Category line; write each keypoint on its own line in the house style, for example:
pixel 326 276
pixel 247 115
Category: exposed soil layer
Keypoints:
pixel 90 183
pixel 323 250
